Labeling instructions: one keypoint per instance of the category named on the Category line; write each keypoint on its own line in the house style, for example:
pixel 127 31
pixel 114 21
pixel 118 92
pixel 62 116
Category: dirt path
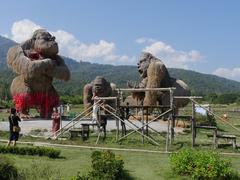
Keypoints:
pixel 45 126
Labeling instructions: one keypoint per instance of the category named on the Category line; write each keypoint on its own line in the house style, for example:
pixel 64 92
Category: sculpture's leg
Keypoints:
pixel 48 102
pixel 21 95
pixel 22 103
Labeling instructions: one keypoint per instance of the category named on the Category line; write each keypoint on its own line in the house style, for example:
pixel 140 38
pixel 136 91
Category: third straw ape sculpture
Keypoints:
pixel 36 62
pixel 154 74
pixel 101 87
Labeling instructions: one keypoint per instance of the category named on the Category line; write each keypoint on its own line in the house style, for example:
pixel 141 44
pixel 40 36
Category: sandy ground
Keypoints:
pixel 28 126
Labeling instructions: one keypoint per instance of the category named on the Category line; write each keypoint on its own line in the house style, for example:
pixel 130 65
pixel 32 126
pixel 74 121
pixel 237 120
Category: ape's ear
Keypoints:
pixel 28 44
pixel 150 57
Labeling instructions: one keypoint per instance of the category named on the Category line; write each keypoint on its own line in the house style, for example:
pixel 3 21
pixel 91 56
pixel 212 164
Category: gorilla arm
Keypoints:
pixel 87 96
pixel 60 71
pixel 155 74
pixel 140 95
pixel 21 64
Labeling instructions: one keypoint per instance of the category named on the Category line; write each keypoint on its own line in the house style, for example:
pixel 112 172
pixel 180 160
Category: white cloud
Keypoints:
pixel 124 59
pixel 228 73
pixel 23 30
pixel 170 56
pixel 100 52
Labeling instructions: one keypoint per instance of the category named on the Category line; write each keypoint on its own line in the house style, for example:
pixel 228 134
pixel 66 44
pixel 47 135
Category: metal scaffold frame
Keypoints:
pixel 114 112
pixel 169 110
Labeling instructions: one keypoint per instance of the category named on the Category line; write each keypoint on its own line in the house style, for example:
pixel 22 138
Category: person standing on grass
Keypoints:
pixel 95 108
pixel 55 121
pixel 13 127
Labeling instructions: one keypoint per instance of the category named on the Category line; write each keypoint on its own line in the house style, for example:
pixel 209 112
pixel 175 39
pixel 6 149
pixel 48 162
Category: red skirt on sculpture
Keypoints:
pixel 44 102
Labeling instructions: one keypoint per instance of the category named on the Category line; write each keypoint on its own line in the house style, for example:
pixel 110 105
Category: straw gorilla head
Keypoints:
pixel 143 64
pixel 44 43
pixel 101 86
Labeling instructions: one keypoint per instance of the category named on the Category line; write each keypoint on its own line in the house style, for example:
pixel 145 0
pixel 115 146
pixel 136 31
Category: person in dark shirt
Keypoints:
pixel 13 121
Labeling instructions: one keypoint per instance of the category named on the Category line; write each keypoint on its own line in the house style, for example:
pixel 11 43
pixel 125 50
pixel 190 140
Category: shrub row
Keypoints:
pixel 8 170
pixel 40 151
pixel 105 165
pixel 202 165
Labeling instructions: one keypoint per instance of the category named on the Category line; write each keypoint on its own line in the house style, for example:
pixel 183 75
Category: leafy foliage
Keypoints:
pixel 8 171
pixel 40 151
pixel 202 165
pixel 105 166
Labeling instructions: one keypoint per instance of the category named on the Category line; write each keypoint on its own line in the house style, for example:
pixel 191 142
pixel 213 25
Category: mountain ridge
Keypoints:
pixel 84 72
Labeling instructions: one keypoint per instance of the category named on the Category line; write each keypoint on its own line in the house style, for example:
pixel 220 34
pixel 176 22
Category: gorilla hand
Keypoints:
pixel 59 70
pixel 41 66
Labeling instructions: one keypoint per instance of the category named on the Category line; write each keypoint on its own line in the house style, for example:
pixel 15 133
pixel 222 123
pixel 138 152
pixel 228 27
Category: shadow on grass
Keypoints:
pixel 126 175
pixel 179 145
pixel 225 145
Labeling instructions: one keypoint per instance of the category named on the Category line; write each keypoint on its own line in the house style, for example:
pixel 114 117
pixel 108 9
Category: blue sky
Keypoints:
pixel 201 35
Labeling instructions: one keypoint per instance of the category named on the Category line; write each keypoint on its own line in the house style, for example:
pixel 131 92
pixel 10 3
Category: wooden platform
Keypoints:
pixel 228 137
pixel 85 130
pixel 207 127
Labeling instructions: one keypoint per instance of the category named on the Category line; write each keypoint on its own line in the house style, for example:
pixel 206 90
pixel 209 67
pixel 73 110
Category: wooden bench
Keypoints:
pixel 75 132
pixel 213 128
pixel 228 137
pixel 83 131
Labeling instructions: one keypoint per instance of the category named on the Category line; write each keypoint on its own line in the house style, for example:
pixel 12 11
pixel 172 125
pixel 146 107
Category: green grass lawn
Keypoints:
pixel 140 165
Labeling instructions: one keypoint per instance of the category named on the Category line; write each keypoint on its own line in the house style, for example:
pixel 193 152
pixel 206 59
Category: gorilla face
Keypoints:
pixel 99 85
pixel 142 67
pixel 45 44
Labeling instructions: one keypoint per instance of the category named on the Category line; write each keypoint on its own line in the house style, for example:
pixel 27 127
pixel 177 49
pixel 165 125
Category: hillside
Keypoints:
pixel 205 83
pixel 83 72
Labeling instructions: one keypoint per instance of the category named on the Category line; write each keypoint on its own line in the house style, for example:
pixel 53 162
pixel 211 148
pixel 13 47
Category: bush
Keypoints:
pixel 7 169
pixel 40 151
pixel 201 165
pixel 6 104
pixel 105 166
pixel 52 153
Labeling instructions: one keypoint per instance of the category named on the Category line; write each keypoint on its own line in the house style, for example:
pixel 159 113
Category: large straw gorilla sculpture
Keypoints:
pixel 36 61
pixel 101 87
pixel 154 74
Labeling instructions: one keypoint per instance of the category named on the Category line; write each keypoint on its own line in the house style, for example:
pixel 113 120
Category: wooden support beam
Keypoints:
pixel 187 97
pixel 147 89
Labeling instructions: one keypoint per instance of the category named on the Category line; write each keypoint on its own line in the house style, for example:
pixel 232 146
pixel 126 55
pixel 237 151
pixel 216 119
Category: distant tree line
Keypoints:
pixel 71 92
pixel 227 98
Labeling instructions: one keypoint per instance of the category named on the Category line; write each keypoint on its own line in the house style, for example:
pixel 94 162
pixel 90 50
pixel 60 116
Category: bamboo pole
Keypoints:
pixel 147 89
pixel 193 125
